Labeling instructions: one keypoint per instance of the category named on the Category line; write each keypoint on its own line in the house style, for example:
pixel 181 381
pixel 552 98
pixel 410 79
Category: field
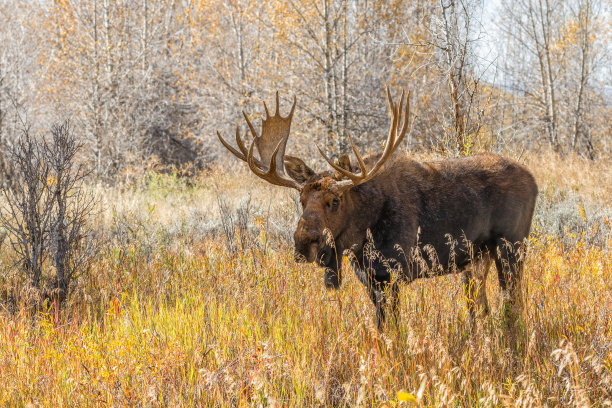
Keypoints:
pixel 193 299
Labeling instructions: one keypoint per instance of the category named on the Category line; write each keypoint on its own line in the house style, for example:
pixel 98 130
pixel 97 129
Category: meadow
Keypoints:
pixel 194 300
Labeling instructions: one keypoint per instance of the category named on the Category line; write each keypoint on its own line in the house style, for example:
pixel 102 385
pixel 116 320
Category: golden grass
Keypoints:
pixel 592 179
pixel 190 324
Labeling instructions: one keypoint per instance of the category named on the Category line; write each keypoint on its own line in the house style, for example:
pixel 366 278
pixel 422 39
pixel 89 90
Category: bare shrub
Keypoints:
pixel 235 223
pixel 71 205
pixel 570 217
pixel 46 213
pixel 26 217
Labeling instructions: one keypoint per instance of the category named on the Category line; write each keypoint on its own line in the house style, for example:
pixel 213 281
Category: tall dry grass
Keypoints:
pixel 191 304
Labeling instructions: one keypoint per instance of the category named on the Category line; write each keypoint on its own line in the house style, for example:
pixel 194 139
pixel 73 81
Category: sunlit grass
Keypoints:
pixel 188 323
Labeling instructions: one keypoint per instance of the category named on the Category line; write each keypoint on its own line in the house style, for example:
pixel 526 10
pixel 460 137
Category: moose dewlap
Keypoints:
pixel 389 212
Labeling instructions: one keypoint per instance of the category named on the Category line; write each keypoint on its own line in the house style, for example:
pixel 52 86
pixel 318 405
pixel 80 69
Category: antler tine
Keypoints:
pixel 266 108
pixel 277 104
pixel 362 165
pixel 240 143
pixel 406 122
pixel 242 154
pixel 251 127
pixel 229 147
pixel 292 108
pixel 390 100
pixel 394 123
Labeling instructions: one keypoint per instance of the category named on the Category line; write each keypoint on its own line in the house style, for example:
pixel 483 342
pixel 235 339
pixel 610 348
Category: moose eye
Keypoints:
pixel 334 204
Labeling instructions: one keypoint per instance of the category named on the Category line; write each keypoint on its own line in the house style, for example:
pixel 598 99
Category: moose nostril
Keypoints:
pixel 305 250
pixel 300 252
pixel 299 257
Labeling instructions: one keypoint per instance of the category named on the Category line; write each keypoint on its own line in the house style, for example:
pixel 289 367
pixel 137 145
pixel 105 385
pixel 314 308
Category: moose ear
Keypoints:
pixel 297 169
pixel 344 161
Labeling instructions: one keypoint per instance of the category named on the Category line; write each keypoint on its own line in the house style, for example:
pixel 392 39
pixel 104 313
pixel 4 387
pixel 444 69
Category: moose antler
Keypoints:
pixel 270 145
pixel 393 141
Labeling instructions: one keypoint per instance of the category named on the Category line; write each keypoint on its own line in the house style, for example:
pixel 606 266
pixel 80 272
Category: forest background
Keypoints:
pixel 150 82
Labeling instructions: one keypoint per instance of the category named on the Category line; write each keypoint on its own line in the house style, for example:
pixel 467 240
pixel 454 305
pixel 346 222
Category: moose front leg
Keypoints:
pixel 383 293
pixel 332 278
pixel 385 296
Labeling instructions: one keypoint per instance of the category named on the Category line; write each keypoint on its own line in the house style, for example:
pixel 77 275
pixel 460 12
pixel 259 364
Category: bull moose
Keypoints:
pixel 386 208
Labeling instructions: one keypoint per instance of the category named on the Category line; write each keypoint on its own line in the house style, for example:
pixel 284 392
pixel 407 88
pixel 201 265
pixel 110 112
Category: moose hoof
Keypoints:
pixel 332 279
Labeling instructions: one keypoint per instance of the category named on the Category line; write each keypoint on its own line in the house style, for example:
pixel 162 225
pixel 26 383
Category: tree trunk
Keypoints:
pixel 331 117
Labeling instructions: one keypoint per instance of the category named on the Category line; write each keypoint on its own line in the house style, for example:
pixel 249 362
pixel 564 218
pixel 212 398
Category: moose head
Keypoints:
pixel 328 207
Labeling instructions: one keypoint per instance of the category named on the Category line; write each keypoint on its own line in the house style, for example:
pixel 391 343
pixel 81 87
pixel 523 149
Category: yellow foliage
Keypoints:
pixel 186 322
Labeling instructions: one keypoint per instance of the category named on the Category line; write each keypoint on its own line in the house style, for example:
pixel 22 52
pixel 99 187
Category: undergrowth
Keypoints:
pixel 175 314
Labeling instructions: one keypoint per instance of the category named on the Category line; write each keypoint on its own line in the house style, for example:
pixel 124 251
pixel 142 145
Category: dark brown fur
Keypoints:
pixel 485 200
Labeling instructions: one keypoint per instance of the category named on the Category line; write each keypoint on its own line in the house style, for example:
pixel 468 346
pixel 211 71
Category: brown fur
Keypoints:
pixel 485 200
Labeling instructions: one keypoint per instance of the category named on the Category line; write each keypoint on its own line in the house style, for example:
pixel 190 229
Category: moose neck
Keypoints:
pixel 364 204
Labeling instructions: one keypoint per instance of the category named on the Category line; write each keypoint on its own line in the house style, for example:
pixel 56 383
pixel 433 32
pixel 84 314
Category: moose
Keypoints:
pixel 385 210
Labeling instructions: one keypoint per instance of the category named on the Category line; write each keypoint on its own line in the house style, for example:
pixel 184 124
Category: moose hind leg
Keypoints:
pixel 509 260
pixel 391 290
pixel 474 286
